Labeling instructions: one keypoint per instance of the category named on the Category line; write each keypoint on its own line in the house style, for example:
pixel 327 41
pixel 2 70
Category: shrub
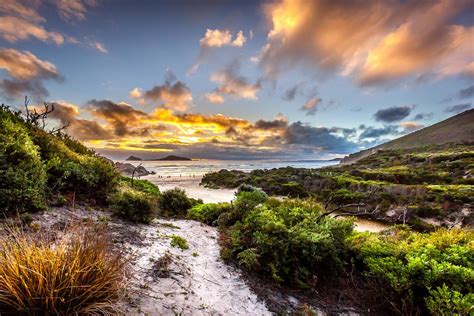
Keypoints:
pixel 174 203
pixel 133 205
pixel 208 213
pixel 180 242
pixel 145 186
pixel 285 240
pixel 418 266
pixel 22 174
pixel 76 274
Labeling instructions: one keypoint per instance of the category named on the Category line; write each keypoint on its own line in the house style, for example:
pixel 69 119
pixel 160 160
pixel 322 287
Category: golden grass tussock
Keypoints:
pixel 75 273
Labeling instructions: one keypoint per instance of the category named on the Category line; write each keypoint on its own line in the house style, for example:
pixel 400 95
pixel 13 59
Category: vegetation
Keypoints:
pixel 175 203
pixel 180 242
pixel 75 274
pixel 137 202
pixel 208 213
pixel 420 272
pixel 400 185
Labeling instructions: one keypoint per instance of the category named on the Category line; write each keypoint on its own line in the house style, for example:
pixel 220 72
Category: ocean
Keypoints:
pixel 201 167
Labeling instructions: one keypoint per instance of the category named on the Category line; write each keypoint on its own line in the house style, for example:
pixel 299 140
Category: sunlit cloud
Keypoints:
pixel 14 29
pixel 374 42
pixel 230 83
pixel 411 126
pixel 214 98
pixel 74 9
pixel 176 96
pixel 27 73
pixel 215 39
pixel 311 106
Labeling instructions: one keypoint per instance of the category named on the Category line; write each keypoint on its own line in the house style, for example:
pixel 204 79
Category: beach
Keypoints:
pixel 191 185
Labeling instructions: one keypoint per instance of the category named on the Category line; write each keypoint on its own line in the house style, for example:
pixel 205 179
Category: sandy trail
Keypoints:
pixel 196 281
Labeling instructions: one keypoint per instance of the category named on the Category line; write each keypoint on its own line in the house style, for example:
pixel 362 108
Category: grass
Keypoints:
pixel 178 241
pixel 76 273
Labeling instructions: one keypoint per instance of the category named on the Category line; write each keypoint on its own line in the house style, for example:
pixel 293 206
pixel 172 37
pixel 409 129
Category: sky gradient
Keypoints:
pixel 239 79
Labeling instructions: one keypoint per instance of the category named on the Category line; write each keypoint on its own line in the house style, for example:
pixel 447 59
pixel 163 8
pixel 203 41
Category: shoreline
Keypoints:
pixel 190 184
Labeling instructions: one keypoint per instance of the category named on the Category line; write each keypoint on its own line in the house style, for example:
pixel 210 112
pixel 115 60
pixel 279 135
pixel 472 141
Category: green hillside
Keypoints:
pixel 456 129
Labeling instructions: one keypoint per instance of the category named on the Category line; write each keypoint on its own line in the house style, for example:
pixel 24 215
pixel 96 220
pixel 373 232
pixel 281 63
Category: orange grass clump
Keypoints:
pixel 78 273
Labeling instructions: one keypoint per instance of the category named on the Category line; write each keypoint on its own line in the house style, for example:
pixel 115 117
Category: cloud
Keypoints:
pixel 411 126
pixel 25 9
pixel 27 73
pixel 310 107
pixel 74 9
pixel 121 116
pixel 316 139
pixel 234 85
pixel 374 42
pixel 175 96
pixel 392 114
pixel 374 132
pixel 214 98
pixel 239 40
pixel 458 108
pixel 422 116
pixel 100 47
pixel 136 93
pixel 14 29
pixel 215 38
pixel 466 93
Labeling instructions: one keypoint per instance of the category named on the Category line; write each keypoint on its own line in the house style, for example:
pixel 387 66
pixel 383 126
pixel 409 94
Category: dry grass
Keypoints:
pixel 77 273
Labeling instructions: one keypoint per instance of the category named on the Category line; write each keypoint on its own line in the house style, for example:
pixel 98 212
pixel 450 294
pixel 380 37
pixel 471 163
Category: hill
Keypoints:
pixel 456 129
pixel 173 158
pixel 133 158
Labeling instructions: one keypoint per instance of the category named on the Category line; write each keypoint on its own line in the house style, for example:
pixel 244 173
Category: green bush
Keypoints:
pixel 144 186
pixel 133 205
pixel 69 171
pixel 418 267
pixel 22 174
pixel 285 240
pixel 174 203
pixel 208 213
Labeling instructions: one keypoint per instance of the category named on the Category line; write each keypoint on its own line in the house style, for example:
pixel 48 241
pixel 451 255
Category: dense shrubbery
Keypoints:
pixel 135 201
pixel 286 240
pixel 22 173
pixel 208 213
pixel 36 165
pixel 431 178
pixel 422 271
pixel 175 203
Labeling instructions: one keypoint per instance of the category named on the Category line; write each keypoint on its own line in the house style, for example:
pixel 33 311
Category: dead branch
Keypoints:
pixel 337 209
pixel 133 173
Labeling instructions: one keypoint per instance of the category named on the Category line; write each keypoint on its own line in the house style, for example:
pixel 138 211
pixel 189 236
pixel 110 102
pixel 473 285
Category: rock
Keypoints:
pixel 128 168
pixel 133 158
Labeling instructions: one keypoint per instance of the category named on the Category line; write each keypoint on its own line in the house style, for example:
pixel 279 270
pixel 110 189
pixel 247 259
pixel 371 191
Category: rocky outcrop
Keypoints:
pixel 128 169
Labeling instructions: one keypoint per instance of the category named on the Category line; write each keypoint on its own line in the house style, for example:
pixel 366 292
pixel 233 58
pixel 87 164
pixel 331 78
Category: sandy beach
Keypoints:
pixel 192 188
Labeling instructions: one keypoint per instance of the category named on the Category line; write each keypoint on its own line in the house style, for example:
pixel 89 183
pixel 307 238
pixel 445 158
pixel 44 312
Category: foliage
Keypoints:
pixel 22 173
pixel 208 213
pixel 180 242
pixel 174 203
pixel 420 267
pixel 36 165
pixel 75 274
pixel 432 182
pixel 285 240
pixel 133 205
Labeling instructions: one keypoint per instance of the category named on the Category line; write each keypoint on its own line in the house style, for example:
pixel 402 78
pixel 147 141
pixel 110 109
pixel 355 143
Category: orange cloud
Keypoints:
pixel 374 42
pixel 175 96
pixel 232 84
pixel 214 98
pixel 74 9
pixel 14 29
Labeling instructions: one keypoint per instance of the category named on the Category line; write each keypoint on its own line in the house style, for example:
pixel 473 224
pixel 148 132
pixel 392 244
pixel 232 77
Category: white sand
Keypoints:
pixel 192 188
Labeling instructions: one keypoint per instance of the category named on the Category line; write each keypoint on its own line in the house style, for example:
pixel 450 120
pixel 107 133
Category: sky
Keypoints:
pixel 276 79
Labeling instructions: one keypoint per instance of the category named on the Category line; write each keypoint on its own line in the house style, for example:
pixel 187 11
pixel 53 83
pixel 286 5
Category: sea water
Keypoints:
pixel 201 167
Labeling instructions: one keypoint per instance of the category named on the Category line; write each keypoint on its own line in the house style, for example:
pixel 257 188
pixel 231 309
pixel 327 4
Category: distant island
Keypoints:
pixel 167 158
